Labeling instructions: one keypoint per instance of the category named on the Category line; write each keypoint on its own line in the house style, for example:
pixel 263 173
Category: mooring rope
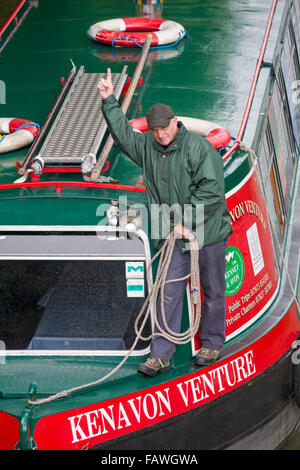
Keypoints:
pixel 165 254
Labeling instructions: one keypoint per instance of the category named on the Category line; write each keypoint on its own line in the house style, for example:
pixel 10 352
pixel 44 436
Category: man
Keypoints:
pixel 180 168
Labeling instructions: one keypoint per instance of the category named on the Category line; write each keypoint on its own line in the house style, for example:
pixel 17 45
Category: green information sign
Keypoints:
pixel 234 271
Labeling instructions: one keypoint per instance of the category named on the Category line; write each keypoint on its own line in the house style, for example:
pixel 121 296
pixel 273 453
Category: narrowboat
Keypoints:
pixel 76 256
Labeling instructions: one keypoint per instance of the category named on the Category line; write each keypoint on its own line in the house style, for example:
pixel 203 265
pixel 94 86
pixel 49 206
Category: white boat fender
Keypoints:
pixel 214 133
pixel 135 30
pixel 16 133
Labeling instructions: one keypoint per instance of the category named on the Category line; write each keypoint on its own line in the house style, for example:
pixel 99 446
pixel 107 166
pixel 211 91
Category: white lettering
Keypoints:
pixel 250 365
pixel 108 418
pixel 76 428
pixel 145 406
pixel 164 400
pixel 239 363
pixel 142 408
pixel 91 423
pixel 173 459
pixel 184 394
pixel 137 413
pixel 123 417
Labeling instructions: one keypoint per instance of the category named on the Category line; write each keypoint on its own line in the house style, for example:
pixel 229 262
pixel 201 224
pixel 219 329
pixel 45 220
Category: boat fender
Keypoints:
pixel 18 133
pixel 135 30
pixel 214 133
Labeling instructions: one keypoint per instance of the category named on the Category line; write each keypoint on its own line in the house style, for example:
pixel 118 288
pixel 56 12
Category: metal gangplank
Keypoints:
pixel 79 126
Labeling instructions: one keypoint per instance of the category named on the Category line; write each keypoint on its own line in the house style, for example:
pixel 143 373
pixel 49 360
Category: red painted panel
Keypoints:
pixel 99 422
pixel 252 248
pixel 9 431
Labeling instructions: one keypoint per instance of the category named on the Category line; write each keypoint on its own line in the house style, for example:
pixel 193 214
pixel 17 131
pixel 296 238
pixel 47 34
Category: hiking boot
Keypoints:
pixel 152 366
pixel 206 356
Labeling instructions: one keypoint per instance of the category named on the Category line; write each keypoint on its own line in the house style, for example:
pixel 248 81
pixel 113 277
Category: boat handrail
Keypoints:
pixel 254 83
pixel 12 17
pixel 77 184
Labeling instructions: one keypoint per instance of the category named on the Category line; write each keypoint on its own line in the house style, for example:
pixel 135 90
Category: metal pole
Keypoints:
pixel 254 82
pixel 125 105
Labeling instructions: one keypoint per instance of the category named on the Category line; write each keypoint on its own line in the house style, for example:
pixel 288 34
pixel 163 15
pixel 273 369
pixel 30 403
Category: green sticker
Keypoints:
pixel 234 271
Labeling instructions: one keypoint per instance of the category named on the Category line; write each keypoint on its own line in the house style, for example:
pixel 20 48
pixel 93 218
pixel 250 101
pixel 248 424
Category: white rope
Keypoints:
pixel 165 254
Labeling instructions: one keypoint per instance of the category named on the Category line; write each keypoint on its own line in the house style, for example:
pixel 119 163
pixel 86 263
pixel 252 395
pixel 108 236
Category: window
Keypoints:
pixel 289 83
pixel 69 305
pixel 283 143
pixel 280 145
pixel 271 182
pixel 68 291
pixel 295 15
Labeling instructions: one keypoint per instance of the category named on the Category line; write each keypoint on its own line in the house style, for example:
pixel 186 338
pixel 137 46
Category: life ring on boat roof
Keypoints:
pixel 135 30
pixel 16 133
pixel 216 135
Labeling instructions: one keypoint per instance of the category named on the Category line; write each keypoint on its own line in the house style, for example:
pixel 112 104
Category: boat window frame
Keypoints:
pixel 111 230
pixel 279 114
pixel 286 116
pixel 290 57
pixel 291 37
pixel 272 176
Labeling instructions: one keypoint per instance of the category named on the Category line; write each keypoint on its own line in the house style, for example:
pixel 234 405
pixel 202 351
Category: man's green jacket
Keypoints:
pixel 186 178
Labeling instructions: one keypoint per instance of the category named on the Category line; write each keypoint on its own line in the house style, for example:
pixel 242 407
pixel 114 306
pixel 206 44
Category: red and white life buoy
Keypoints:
pixel 132 32
pixel 216 135
pixel 16 133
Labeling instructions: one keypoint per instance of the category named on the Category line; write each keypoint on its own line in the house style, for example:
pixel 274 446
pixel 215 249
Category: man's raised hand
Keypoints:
pixel 105 85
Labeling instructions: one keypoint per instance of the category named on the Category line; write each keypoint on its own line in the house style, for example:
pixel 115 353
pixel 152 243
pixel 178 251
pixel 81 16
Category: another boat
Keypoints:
pixel 73 274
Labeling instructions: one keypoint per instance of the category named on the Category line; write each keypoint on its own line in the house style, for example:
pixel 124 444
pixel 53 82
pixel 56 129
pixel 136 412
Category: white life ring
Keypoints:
pixel 215 134
pixel 135 30
pixel 16 133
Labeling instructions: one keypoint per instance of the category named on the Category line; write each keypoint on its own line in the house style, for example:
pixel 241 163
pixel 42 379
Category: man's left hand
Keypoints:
pixel 182 232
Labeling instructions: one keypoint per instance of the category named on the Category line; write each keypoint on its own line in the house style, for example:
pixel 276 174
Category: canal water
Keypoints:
pixel 293 442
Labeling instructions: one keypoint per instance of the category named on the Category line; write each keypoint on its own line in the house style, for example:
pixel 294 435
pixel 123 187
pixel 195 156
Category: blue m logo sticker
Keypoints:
pixel 138 268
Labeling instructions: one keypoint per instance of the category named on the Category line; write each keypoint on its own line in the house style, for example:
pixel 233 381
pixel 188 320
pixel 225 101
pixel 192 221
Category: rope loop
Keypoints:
pixel 182 34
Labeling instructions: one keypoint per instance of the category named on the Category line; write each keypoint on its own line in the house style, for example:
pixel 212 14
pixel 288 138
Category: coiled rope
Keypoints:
pixel 165 254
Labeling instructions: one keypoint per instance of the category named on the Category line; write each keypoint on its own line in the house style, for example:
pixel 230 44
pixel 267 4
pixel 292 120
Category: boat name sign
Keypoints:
pixel 110 419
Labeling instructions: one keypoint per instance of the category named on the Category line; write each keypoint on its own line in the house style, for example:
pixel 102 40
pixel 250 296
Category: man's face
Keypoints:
pixel 165 135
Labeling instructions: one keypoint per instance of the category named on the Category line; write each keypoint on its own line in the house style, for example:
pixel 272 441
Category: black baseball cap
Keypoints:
pixel 159 115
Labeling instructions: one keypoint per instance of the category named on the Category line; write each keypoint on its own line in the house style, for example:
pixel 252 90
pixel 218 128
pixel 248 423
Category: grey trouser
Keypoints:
pixel 212 277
